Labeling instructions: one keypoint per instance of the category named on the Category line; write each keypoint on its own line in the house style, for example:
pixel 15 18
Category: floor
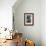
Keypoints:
pixel 9 43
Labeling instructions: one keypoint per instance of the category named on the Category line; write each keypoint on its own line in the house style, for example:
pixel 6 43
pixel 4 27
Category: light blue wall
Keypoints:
pixel 29 32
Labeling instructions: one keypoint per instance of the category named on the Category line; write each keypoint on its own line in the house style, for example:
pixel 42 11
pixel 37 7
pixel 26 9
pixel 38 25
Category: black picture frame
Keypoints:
pixel 28 19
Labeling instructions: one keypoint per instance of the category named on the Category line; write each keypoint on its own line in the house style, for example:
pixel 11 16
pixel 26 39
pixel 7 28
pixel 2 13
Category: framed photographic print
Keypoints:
pixel 28 19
